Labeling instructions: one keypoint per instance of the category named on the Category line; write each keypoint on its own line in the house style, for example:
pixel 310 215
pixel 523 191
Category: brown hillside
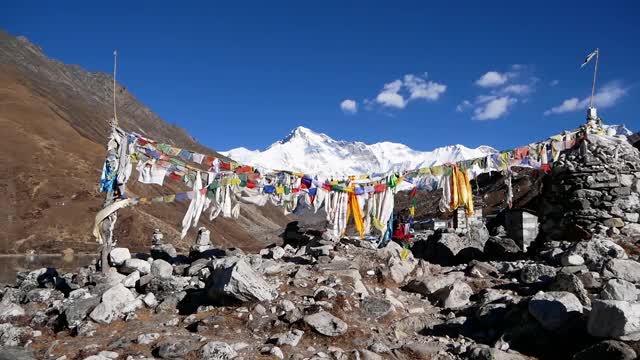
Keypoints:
pixel 54 121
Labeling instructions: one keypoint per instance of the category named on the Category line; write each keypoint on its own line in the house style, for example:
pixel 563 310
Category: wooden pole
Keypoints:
pixel 109 222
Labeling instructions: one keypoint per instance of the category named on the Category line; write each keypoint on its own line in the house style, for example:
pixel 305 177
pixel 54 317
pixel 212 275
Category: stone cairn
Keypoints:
pixel 594 189
pixel 203 241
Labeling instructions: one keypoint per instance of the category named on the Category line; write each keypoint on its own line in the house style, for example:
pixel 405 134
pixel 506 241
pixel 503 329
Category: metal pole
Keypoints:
pixel 593 86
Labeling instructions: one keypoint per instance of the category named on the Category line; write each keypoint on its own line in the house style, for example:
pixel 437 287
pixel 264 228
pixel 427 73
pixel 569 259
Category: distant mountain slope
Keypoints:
pixel 307 151
pixel 54 121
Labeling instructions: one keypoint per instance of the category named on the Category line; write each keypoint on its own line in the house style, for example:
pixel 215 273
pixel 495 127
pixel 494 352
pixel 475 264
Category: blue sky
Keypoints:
pixel 424 74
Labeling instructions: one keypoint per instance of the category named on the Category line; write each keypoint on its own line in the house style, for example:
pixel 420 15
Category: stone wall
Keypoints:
pixel 593 188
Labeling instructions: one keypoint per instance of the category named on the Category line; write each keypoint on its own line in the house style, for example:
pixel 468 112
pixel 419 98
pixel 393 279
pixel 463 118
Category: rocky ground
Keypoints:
pixel 456 296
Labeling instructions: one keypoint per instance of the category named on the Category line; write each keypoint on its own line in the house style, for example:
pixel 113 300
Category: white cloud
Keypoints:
pixel 464 105
pixel 349 106
pixel 492 79
pixel 399 93
pixel 494 109
pixel 389 95
pixel 516 89
pixel 554 83
pixel 606 97
pixel 419 88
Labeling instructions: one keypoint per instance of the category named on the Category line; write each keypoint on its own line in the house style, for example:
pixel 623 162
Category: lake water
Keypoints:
pixel 10 265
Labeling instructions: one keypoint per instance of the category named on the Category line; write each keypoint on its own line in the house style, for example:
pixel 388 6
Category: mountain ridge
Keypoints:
pixel 347 157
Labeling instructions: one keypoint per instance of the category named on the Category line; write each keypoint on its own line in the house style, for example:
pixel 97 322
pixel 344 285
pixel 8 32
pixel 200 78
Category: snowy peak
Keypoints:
pixel 306 151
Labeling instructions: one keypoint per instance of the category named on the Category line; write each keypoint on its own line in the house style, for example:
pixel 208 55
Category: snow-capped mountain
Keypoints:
pixel 309 152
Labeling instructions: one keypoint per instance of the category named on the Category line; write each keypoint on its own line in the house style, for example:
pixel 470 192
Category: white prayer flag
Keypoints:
pixel 589 57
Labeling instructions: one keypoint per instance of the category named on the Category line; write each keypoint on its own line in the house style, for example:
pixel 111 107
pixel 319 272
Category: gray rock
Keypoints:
pixel 537 273
pixel 131 279
pixel 597 251
pixel 9 310
pixel 75 312
pixel 375 307
pixel 501 248
pixel 291 338
pixel 44 295
pixel 617 289
pixel 608 349
pixel 217 350
pixel 119 255
pixel 614 319
pixel 173 349
pixel 146 339
pixel 234 277
pixel 571 283
pixel 624 269
pixel 324 293
pixel 150 300
pixel 16 353
pixel 326 324
pixel 631 230
pixel 369 355
pixel 455 295
pixel 114 301
pixel 450 248
pixel 131 265
pixel 11 335
pixel 161 269
pixel 86 328
pixel 429 285
pixel 568 259
pixel 163 251
pixel 276 252
pixel 554 308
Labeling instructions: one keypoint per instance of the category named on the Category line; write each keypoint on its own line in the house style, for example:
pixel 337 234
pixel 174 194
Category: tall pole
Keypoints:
pixel 109 222
pixel 593 86
pixel 115 62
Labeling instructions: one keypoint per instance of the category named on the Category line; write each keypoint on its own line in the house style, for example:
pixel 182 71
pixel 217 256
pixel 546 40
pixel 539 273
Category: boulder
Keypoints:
pixel 596 252
pixel 11 335
pixel 165 252
pixel 428 285
pixel 16 353
pixel 618 289
pixel 375 307
pixel 571 283
pixel 76 311
pixel 131 265
pixel 449 248
pixel 149 338
pixel 455 295
pixel 131 279
pixel 172 349
pixel 9 310
pixel 569 259
pixel 119 255
pixel 233 277
pixel 608 349
pixel 501 248
pixel 114 301
pixel 291 338
pixel 217 350
pixel 161 269
pixel 624 269
pixel 614 319
pixel 326 324
pixel 631 230
pixel 537 273
pixel 554 308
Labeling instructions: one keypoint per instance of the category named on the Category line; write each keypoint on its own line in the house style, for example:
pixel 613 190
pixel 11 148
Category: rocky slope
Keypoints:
pixel 456 295
pixel 54 120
